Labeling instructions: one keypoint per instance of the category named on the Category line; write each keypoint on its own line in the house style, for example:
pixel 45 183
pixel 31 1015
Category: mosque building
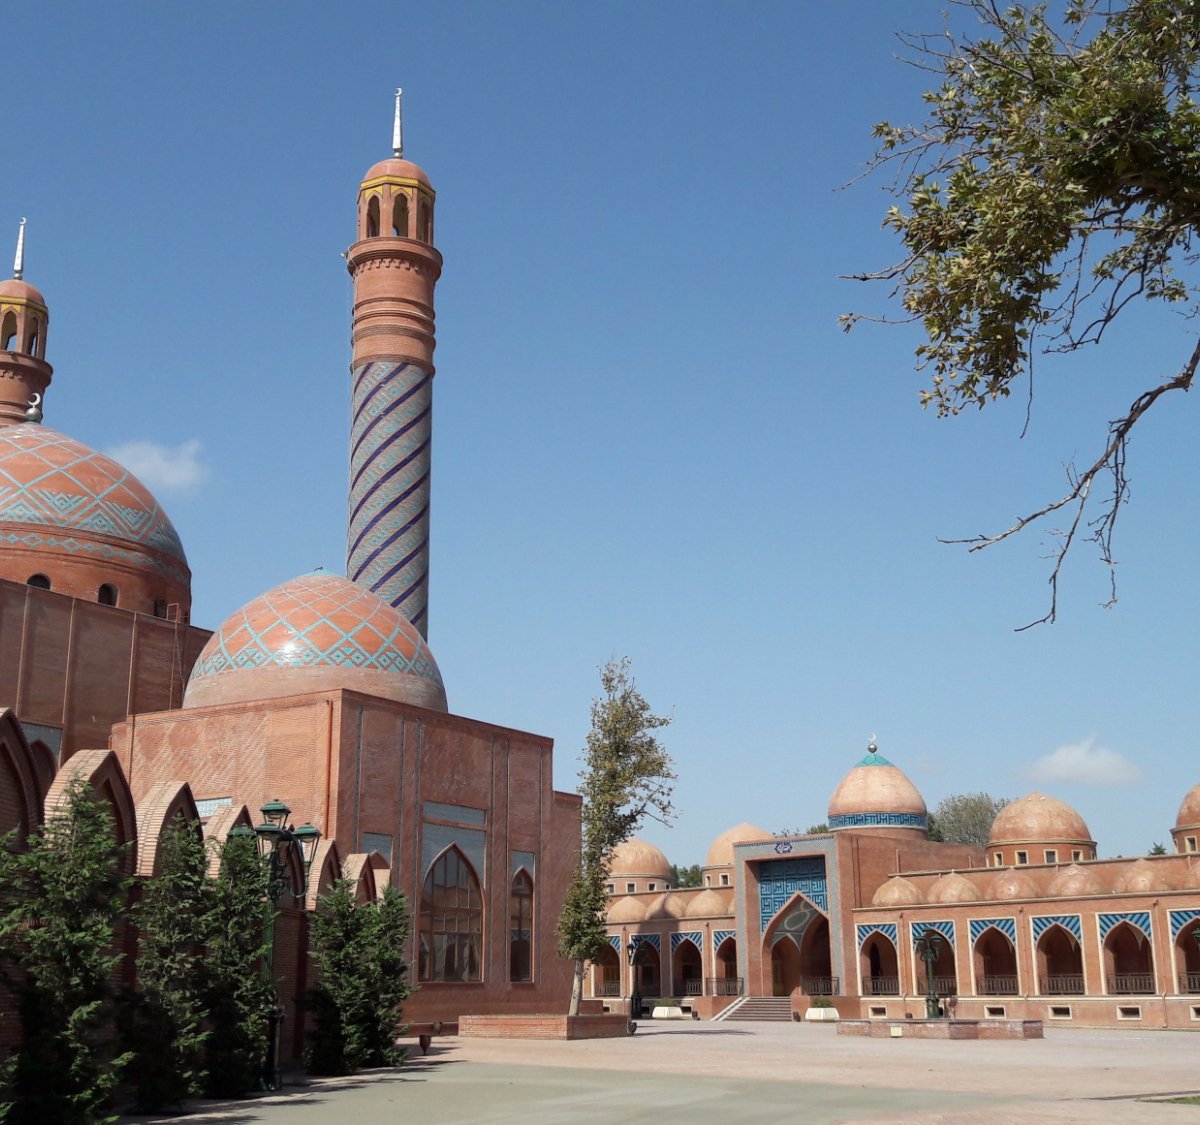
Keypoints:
pixel 322 692
pixel 1032 926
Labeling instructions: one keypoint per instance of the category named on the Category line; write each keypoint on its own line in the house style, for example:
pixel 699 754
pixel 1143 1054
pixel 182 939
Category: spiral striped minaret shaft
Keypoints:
pixel 394 267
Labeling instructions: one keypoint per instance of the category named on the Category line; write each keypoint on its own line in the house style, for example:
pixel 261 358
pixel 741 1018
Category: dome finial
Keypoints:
pixel 19 260
pixel 34 413
pixel 397 128
pixel 872 745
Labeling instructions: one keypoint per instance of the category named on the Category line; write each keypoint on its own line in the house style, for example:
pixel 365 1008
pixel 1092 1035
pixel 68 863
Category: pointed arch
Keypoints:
pixel 20 776
pixel 879 961
pixel 687 965
pixel 400 216
pixel 101 770
pixel 424 221
pixel 166 803
pixel 1128 960
pixel 370 873
pixel 1187 956
pixel 216 831
pixel 326 869
pixel 371 229
pixel 995 958
pixel 35 333
pixel 606 973
pixel 8 332
pixel 520 926
pixel 450 932
pixel 1059 958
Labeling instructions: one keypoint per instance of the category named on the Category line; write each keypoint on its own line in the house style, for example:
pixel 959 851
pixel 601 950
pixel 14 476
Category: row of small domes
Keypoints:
pixel 1141 877
pixel 707 904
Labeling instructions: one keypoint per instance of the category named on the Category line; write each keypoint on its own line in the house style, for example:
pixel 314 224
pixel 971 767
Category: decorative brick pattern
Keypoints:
pixel 1007 926
pixel 1138 919
pixel 781 880
pixel 391 431
pixel 1072 923
pixel 946 929
pixel 886 929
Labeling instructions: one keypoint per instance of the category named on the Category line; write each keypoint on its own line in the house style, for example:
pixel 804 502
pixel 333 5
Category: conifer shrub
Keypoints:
pixel 63 896
pixel 360 952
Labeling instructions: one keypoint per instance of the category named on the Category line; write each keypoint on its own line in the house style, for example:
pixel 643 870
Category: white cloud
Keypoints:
pixel 1086 764
pixel 166 468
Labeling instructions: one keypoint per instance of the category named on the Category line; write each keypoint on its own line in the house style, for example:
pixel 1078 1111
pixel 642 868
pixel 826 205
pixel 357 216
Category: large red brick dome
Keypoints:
pixel 636 856
pixel 1037 818
pixel 720 854
pixel 877 795
pixel 74 521
pixel 318 632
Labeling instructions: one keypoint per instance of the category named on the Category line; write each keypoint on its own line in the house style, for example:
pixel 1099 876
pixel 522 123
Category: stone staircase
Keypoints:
pixel 776 1008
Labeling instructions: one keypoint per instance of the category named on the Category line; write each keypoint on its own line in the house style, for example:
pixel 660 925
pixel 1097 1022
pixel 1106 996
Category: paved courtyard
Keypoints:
pixel 757 1072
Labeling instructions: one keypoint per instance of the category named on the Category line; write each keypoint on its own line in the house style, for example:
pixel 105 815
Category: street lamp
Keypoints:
pixel 928 946
pixel 276 841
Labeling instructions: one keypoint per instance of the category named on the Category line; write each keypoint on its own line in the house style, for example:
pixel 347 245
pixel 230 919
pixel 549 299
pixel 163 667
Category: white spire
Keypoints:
pixel 398 127
pixel 19 260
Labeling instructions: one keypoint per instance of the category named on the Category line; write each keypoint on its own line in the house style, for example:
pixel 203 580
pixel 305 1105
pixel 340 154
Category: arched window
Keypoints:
pixel 38 582
pixel 520 928
pixel 373 217
pixel 400 217
pixel 425 225
pixel 451 929
pixel 8 335
pixel 34 331
pixel 107 594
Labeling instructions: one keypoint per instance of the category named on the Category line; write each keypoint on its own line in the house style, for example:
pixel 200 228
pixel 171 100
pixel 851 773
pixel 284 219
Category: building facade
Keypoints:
pixel 1032 926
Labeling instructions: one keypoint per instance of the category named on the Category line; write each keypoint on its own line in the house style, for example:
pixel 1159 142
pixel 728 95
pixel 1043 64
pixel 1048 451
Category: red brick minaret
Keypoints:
pixel 394 266
pixel 24 372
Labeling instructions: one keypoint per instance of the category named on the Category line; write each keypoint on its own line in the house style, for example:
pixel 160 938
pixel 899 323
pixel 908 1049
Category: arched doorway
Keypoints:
pixel 945 975
pixel 1060 963
pixel 880 966
pixel 995 964
pixel 646 974
pixel 606 973
pixel 816 972
pixel 785 966
pixel 1187 958
pixel 727 982
pixel 687 970
pixel 1128 961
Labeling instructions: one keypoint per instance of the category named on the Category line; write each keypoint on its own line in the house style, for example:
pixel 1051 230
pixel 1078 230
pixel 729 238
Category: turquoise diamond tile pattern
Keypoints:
pixel 864 930
pixel 946 929
pixel 390 435
pixel 317 619
pixel 1138 919
pixel 1007 926
pixel 59 490
pixel 1072 923
pixel 719 936
pixel 780 880
pixel 1179 919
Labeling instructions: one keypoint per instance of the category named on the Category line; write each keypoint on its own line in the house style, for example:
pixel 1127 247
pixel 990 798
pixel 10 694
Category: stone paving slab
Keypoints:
pixel 756 1073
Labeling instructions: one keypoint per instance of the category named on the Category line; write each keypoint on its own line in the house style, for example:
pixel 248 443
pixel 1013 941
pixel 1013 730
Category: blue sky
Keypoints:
pixel 651 436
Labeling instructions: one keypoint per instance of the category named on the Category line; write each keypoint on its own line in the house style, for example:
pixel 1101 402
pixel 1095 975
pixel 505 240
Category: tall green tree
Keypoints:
pixel 627 776
pixel 63 897
pixel 169 1014
pixel 965 818
pixel 237 997
pixel 360 952
pixel 1054 182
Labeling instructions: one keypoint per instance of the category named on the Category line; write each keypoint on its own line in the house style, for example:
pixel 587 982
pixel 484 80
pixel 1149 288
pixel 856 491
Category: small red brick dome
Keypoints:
pixel 953 887
pixel 876 794
pixel 897 891
pixel 1008 885
pixel 626 909
pixel 318 632
pixel 637 857
pixel 21 291
pixel 720 854
pixel 396 168
pixel 670 905
pixel 1037 818
pixel 711 904
pixel 1076 881
pixel 81 520
pixel 1144 877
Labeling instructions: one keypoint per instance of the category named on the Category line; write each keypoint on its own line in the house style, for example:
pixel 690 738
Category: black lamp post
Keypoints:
pixel 276 841
pixel 1196 935
pixel 928 946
